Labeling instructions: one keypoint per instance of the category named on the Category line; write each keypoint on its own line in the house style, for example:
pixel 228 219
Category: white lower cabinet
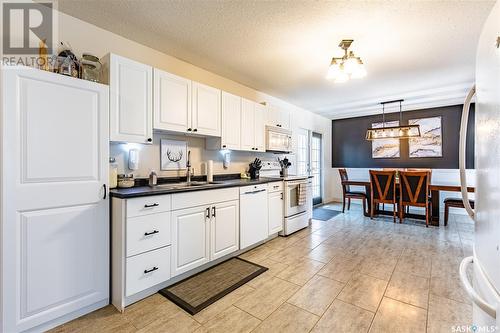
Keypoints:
pixel 156 238
pixel 191 244
pixel 148 232
pixel 275 203
pixel 224 229
pixel 141 246
pixel 204 233
pixel 147 270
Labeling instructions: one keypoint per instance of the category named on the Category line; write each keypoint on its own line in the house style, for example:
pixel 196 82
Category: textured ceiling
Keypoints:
pixel 284 47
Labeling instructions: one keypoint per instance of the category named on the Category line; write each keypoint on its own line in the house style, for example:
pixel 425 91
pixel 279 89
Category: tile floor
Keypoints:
pixel 349 274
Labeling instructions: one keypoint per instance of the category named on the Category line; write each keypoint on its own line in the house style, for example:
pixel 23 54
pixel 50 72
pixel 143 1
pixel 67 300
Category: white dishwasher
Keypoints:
pixel 253 215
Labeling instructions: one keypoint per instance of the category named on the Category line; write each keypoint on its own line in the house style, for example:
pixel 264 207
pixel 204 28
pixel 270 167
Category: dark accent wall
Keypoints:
pixel 350 149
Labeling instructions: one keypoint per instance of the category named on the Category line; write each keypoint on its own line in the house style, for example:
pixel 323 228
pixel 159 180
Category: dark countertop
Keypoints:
pixel 142 191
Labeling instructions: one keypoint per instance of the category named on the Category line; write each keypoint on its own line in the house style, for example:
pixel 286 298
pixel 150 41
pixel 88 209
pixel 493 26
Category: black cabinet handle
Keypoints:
pixel 152 205
pixel 195 130
pixel 105 192
pixel 151 233
pixel 190 129
pixel 146 271
pixel 208 213
pixel 213 211
pixel 150 140
pixel 281 196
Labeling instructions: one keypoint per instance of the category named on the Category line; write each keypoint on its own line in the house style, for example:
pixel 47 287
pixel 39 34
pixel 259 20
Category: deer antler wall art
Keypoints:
pixel 174 157
pixel 173 154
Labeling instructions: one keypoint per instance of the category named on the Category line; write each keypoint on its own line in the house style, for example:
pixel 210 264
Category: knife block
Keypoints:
pixel 254 173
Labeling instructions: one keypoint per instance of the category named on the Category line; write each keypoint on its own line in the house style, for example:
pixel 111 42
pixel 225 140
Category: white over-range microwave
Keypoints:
pixel 278 140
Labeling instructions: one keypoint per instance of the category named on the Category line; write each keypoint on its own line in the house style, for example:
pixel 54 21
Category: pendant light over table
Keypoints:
pixel 393 132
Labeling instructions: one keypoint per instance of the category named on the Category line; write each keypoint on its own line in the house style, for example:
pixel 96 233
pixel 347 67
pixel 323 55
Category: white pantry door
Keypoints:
pixel 55 224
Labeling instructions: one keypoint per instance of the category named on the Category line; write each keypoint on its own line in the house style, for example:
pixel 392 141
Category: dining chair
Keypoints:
pixel 383 190
pixel 456 203
pixel 415 191
pixel 348 194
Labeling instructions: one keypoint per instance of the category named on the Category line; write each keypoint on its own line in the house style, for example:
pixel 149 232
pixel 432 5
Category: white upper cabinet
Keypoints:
pixel 206 110
pixel 131 100
pixel 231 121
pixel 172 102
pixel 253 117
pixel 278 117
pixel 181 105
pixel 260 127
pixel 247 125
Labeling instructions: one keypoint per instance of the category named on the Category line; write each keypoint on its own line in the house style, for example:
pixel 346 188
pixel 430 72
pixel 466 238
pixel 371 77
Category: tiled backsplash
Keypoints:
pixel 149 157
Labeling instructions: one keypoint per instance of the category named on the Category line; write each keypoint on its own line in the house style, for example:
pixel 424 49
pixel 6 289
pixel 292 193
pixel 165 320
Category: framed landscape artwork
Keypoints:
pixel 430 144
pixel 385 148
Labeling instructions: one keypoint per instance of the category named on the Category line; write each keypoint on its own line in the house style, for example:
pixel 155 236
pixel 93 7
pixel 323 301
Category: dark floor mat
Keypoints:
pixel 324 214
pixel 199 291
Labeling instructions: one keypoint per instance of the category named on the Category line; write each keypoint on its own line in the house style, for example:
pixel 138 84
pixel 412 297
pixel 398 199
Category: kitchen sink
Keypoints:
pixel 187 185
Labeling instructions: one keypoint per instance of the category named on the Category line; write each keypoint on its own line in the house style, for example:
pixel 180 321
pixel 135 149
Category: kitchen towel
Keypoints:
pixel 301 195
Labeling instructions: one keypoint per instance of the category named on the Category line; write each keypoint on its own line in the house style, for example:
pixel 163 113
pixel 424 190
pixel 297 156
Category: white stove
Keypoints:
pixel 296 213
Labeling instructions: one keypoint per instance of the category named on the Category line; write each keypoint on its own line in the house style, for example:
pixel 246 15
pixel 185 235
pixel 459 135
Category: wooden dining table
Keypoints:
pixel 435 189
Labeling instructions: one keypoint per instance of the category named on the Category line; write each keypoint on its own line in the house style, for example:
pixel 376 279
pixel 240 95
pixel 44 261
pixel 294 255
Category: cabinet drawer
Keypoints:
pixel 148 205
pixel 148 232
pixel 206 197
pixel 275 187
pixel 146 270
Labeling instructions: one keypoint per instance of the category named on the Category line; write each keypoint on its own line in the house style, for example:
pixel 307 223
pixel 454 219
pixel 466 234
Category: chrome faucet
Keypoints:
pixel 188 168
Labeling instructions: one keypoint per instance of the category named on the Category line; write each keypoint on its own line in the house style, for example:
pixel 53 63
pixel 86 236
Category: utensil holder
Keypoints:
pixel 284 172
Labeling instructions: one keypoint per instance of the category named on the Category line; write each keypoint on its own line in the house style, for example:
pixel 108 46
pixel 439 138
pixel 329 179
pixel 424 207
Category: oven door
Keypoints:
pixel 292 206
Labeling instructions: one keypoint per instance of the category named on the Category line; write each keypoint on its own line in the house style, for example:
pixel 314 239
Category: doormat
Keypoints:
pixel 324 214
pixel 200 290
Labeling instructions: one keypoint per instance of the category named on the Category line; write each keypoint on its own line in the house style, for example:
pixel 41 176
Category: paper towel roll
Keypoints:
pixel 210 171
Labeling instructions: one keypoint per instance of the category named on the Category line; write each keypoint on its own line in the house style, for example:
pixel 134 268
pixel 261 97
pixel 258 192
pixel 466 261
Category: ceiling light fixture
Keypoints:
pixel 348 67
pixel 393 132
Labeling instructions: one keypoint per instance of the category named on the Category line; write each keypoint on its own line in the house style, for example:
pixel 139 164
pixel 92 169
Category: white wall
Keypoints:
pixel 85 37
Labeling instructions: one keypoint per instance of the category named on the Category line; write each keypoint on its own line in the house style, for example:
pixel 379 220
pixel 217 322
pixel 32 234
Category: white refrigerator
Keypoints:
pixel 483 286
